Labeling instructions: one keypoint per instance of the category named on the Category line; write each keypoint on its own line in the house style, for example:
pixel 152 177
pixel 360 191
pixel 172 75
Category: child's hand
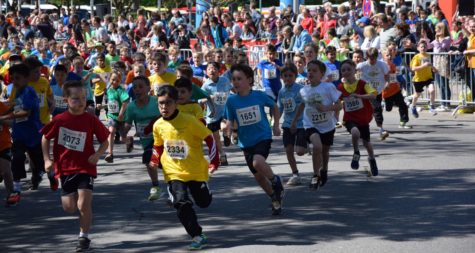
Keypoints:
pixel 93 159
pixel 212 168
pixel 293 128
pixel 276 130
pixel 120 117
pixel 153 165
pixel 48 165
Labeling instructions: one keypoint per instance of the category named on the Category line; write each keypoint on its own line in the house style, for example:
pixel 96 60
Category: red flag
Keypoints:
pixel 448 7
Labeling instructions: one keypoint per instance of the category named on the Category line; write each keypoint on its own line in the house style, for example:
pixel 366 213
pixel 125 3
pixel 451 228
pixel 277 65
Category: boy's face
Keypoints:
pixel 229 58
pixel 347 71
pixel 60 76
pixel 184 95
pixel 289 78
pixel 270 55
pixel 218 57
pixel 166 106
pixel 19 81
pixel 77 99
pixel 357 58
pixel 314 74
pixel 139 72
pixel 111 49
pixel 331 56
pixel 197 60
pixel 115 80
pixel 387 56
pixel 141 89
pixel 101 62
pixel 212 72
pixel 241 82
pixel 35 74
pixel 422 47
pixel 372 59
pixel 79 66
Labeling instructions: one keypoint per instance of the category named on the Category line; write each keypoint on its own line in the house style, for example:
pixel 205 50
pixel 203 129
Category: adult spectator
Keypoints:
pixel 45 27
pixel 177 17
pixel 405 40
pixel 441 45
pixel 27 30
pixel 308 23
pixel 232 28
pixel 358 26
pixel 371 39
pixel 77 31
pixel 302 37
pixel 288 41
pixel 387 31
pixel 470 53
pixel 182 38
pixel 218 32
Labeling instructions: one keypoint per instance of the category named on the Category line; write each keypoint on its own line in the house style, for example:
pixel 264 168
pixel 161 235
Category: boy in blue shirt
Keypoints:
pixel 269 72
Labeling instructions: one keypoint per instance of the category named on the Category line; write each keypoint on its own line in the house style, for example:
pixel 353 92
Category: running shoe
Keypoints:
pixel 277 195
pixel 109 158
pixel 442 108
pixel 414 112
pixel 383 135
pixel 117 139
pixel 323 177
pixel 129 146
pixel 154 193
pixel 223 160
pixel 226 140
pixel 84 244
pixel 355 162
pixel 13 198
pixel 53 182
pixel 276 204
pixel 373 166
pixel 234 138
pixel 339 125
pixel 432 111
pixel 198 242
pixel 294 180
pixel 315 183
pixel 404 125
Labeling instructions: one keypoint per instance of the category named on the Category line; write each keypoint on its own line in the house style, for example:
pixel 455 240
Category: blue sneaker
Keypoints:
pixel 414 112
pixel 198 242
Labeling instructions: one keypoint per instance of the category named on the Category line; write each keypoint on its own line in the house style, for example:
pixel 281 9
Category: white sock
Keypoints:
pixel 85 235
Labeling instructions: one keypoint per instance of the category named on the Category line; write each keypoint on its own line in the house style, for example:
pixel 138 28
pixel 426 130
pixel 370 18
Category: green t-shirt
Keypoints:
pixel 87 84
pixel 115 98
pixel 142 116
pixel 110 60
pixel 197 93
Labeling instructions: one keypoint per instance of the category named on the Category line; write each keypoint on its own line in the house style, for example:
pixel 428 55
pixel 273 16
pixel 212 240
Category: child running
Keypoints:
pixel 178 150
pixel 255 135
pixel 321 101
pixel 289 100
pixel 74 159
pixel 6 156
pixel 356 95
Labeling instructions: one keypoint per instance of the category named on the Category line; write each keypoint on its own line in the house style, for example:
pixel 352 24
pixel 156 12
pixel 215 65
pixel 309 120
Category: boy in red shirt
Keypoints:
pixel 74 157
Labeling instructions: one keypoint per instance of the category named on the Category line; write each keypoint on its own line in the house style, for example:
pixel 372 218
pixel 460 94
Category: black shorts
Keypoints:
pixel 215 126
pixel 296 139
pixel 419 86
pixel 326 138
pixel 72 183
pixel 364 130
pixel 89 103
pixel 147 154
pixel 261 148
pixel 6 154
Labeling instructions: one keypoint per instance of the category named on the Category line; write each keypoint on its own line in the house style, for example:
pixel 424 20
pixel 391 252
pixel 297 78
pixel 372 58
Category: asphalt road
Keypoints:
pixel 422 201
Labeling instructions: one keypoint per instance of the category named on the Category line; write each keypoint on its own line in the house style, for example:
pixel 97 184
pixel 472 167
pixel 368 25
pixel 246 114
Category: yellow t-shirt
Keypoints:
pixel 182 139
pixel 351 88
pixel 43 91
pixel 158 80
pixel 100 87
pixel 424 74
pixel 470 46
pixel 194 109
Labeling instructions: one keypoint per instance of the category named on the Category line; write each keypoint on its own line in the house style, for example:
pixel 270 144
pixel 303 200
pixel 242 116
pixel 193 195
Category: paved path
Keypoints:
pixel 423 201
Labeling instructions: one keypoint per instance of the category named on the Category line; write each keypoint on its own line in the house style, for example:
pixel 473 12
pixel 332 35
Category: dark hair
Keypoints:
pixel 184 82
pixel 60 68
pixel 21 69
pixel 289 67
pixel 100 56
pixel 32 62
pixel 139 79
pixel 248 72
pixel 271 48
pixel 349 62
pixel 358 51
pixel 15 57
pixel 321 66
pixel 119 65
pixel 70 84
pixel 185 70
pixel 214 64
pixel 330 49
pixel 169 90
pixel 160 57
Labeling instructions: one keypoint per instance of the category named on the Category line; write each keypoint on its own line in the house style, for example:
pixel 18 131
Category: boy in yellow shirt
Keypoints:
pixel 184 102
pixel 178 148
pixel 160 76
pixel 422 67
pixel 102 71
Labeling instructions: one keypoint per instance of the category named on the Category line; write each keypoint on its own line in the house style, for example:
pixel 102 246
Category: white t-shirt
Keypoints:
pixel 326 94
pixel 374 74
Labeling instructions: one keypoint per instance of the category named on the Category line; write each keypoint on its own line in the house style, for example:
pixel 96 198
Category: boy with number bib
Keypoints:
pixel 356 95
pixel 178 148
pixel 320 102
pixel 60 74
pixel 376 73
pixel 219 89
pixel 289 100
pixel 117 98
pixel 141 112
pixel 255 135
pixel 74 159
pixel 269 72
pixel 160 76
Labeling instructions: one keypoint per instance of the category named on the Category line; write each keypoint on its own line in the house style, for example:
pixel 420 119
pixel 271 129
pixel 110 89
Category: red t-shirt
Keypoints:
pixel 73 142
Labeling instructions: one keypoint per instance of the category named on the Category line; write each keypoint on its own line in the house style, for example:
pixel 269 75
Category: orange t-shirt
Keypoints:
pixel 5 137
pixel 130 76
pixel 393 86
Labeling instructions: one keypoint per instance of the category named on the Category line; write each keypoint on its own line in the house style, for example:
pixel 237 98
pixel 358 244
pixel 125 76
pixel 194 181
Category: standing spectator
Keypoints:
pixel 218 32
pixel 301 38
pixel 371 39
pixel 441 45
pixel 44 26
pixel 308 23
pixel 177 18
pixel 387 31
pixel 232 28
pixel 182 38
pixel 77 31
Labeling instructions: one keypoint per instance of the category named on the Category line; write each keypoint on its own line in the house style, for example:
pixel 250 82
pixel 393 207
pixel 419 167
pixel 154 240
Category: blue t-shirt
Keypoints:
pixel 26 130
pixel 301 78
pixel 220 91
pixel 60 105
pixel 289 100
pixel 400 68
pixel 270 75
pixel 248 111
pixel 334 68
pixel 198 71
pixel 71 77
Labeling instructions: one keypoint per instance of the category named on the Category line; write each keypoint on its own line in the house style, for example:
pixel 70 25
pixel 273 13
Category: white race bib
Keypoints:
pixel 17 108
pixel 155 89
pixel 113 106
pixel 375 84
pixel 393 78
pixel 352 104
pixel 177 149
pixel 288 104
pixel 140 129
pixel 41 97
pixel 220 98
pixel 270 73
pixel 73 140
pixel 249 115
pixel 317 117
pixel 60 103
pixel 335 74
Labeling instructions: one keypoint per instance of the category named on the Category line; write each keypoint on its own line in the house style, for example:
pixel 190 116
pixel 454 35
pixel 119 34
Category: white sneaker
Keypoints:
pixel 294 180
pixel 433 111
pixel 442 109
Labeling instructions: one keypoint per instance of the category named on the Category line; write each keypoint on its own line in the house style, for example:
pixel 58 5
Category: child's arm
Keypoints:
pixel 94 158
pixel 276 115
pixel 420 67
pixel 157 154
pixel 293 125
pixel 122 111
pixel 45 147
pixel 364 96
